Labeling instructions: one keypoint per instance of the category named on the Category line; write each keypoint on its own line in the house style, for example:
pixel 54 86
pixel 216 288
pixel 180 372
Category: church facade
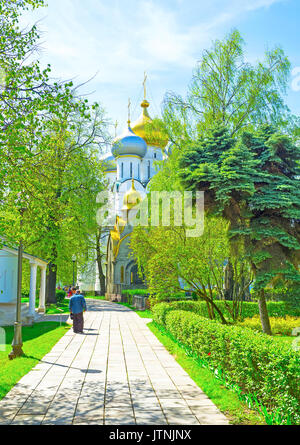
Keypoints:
pixel 129 170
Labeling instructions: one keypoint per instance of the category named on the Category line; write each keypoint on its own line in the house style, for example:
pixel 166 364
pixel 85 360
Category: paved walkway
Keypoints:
pixel 116 373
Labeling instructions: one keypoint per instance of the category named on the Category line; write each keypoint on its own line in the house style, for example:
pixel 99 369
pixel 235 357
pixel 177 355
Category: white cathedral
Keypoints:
pixel 128 168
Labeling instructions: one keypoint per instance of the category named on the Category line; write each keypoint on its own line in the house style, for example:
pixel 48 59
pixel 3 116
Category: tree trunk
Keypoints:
pixel 101 276
pixel 214 306
pixel 99 263
pixel 209 310
pixel 51 284
pixel 228 281
pixel 263 312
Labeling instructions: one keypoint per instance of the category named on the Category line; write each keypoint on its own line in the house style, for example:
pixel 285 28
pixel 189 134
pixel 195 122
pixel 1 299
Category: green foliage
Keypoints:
pixel 253 182
pixel 60 295
pixel 279 325
pixel 249 309
pixel 226 89
pixel 167 254
pixel 49 159
pixel 134 292
pixel 230 403
pixel 253 361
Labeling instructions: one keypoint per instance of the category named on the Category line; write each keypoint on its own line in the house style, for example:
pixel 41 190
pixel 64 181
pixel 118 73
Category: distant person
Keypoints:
pixel 70 293
pixel 77 306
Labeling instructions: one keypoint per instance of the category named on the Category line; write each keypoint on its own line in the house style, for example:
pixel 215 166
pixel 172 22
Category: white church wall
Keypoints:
pixel 8 277
pixel 128 167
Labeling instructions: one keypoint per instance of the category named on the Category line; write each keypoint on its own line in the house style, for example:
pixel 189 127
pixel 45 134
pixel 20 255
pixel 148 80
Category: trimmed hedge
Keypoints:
pixel 250 309
pixel 253 361
pixel 60 295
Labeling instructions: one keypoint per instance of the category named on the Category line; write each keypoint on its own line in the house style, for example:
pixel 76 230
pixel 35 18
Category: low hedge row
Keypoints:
pixel 249 309
pixel 253 361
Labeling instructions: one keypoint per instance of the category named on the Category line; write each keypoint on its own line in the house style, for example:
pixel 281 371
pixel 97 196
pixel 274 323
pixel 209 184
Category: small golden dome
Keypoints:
pixel 115 235
pixel 142 128
pixel 131 198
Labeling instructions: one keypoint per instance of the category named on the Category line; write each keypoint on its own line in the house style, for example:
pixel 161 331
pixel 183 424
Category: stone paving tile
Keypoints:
pixel 6 419
pixel 88 420
pixel 32 408
pixel 10 406
pixel 88 409
pixel 27 420
pixel 51 420
pixel 146 404
pixel 182 419
pixel 149 417
pixel 119 417
pixel 116 373
pixel 212 419
pixel 173 403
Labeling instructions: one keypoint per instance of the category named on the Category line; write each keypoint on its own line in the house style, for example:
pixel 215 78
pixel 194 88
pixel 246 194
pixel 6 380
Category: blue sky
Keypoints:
pixel 118 40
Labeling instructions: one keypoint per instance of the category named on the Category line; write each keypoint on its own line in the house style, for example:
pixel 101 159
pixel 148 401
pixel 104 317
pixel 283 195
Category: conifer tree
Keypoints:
pixel 253 182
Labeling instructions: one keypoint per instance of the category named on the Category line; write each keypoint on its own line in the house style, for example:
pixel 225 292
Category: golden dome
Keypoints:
pixel 115 235
pixel 131 198
pixel 142 128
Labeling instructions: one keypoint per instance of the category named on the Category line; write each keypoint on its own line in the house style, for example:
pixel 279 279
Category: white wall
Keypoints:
pixel 126 161
pixel 8 277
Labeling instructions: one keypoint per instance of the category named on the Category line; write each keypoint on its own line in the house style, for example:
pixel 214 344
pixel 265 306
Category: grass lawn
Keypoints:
pixel 38 340
pixel 228 402
pixel 54 308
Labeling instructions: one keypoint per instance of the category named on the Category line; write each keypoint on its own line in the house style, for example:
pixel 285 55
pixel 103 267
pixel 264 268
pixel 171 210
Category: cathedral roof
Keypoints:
pixel 131 198
pixel 109 164
pixel 128 143
pixel 143 128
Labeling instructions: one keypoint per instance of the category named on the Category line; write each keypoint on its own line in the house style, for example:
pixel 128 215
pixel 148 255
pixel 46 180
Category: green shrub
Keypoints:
pixel 252 360
pixel 129 293
pixel 279 325
pixel 25 292
pixel 135 292
pixel 249 309
pixel 60 295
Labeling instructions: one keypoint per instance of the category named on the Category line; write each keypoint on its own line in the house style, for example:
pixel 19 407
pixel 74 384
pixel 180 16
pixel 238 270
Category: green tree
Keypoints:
pixel 167 254
pixel 49 153
pixel 253 182
pixel 59 189
pixel 228 90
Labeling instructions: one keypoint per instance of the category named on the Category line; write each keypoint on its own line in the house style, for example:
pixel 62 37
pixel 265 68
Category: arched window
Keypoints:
pixel 122 170
pixel 155 155
pixel 122 274
pixel 148 169
pixel 131 169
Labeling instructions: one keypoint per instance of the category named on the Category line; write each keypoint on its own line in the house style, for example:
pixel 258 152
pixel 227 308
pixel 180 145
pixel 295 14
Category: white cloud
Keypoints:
pixel 120 40
pixel 83 38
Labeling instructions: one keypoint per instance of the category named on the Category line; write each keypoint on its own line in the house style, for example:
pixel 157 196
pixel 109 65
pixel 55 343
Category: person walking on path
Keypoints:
pixel 77 305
